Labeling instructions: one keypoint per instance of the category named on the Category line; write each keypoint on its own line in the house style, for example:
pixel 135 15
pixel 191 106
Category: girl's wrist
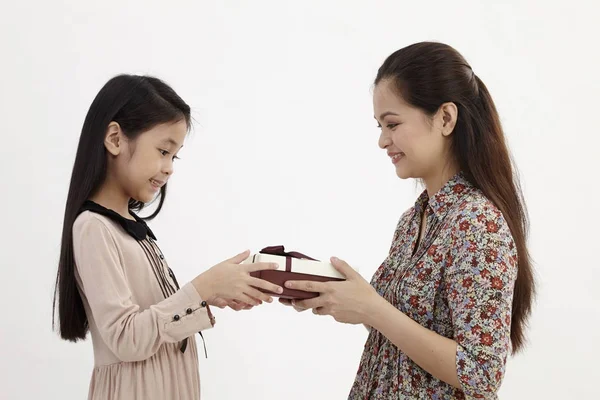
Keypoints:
pixel 203 287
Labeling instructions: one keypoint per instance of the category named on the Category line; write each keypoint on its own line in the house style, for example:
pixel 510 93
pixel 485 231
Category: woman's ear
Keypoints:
pixel 448 113
pixel 113 140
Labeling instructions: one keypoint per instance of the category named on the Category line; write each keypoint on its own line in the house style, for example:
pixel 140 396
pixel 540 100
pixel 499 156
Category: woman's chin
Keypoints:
pixel 403 173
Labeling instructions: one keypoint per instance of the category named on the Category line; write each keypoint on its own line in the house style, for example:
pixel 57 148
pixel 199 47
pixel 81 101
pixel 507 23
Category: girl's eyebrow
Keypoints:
pixel 170 142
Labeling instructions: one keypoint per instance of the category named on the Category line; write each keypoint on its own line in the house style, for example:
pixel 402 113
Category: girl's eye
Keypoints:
pixel 166 152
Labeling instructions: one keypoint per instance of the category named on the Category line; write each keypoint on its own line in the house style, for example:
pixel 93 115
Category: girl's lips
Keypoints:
pixel 156 184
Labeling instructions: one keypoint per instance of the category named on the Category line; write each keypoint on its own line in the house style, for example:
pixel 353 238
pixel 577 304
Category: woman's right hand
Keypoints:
pixel 231 281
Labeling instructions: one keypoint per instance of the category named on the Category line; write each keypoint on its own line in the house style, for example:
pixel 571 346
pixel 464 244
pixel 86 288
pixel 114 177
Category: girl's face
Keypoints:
pixel 417 144
pixel 142 166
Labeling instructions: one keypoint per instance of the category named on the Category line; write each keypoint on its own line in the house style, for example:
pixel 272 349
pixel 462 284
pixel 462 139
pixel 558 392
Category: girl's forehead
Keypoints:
pixel 171 134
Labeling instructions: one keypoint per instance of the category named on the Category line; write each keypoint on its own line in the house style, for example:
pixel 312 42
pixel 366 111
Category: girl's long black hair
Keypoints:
pixel 137 104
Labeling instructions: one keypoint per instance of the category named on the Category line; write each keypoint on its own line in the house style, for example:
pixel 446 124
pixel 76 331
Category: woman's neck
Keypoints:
pixel 434 183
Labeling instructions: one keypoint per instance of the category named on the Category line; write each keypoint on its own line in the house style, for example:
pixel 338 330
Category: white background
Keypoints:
pixel 285 152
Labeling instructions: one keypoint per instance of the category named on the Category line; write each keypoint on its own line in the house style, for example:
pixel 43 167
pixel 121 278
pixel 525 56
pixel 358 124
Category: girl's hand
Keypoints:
pixel 288 302
pixel 233 304
pixel 231 281
pixel 349 301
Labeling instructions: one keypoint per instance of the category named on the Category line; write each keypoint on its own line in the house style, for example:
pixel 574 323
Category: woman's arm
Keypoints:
pixel 432 352
pixel 478 282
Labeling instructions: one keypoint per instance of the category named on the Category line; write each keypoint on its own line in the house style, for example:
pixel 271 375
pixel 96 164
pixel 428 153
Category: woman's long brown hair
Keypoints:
pixel 428 74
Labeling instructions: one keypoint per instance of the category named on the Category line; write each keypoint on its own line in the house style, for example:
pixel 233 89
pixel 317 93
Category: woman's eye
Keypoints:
pixel 389 126
pixel 163 152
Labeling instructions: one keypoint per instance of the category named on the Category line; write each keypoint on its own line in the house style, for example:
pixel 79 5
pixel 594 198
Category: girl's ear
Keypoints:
pixel 113 140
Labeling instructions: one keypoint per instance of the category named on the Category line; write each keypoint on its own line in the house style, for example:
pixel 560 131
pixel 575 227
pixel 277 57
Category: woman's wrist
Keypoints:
pixel 374 306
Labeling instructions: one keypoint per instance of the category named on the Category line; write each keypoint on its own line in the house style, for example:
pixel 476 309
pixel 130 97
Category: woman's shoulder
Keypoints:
pixel 404 220
pixel 476 213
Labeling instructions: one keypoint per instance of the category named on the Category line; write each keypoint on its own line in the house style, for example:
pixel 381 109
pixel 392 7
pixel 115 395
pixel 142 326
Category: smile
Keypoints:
pixel 396 157
pixel 156 184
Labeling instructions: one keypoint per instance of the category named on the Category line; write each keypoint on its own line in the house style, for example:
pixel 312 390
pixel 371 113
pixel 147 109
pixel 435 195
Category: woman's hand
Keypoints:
pixel 349 301
pixel 231 282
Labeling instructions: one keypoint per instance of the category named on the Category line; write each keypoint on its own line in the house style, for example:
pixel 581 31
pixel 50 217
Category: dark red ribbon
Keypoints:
pixel 280 251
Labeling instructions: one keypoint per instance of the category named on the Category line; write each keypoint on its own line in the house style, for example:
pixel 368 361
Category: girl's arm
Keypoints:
pixel 130 333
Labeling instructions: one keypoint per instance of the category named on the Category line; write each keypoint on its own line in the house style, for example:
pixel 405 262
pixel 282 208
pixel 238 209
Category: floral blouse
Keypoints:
pixel 458 283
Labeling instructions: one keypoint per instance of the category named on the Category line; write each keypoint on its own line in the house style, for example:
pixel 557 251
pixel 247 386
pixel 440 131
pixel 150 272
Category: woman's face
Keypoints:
pixel 418 145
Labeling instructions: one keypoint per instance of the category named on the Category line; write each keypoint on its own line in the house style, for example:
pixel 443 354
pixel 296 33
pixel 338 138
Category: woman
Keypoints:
pixel 450 301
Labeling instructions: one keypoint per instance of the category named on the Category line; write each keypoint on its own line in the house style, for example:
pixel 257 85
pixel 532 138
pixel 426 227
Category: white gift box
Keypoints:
pixel 298 265
pixel 293 266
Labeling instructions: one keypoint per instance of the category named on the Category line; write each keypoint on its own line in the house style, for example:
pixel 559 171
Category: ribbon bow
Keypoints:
pixel 280 251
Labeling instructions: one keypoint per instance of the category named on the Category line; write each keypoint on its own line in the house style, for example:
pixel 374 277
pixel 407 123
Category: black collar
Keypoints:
pixel 137 229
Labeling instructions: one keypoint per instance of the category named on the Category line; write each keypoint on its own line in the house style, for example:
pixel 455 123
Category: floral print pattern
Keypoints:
pixel 459 283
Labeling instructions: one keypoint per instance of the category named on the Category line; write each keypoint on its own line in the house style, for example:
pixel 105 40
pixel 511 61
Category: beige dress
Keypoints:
pixel 142 325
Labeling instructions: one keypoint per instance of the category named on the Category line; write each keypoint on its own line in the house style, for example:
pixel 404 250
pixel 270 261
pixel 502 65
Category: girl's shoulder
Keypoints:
pixel 91 225
pixel 89 219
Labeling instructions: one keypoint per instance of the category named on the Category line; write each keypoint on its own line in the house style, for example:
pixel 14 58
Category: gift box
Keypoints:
pixel 293 266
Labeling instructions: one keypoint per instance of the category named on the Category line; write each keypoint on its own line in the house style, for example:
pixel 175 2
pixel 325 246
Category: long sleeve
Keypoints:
pixel 480 281
pixel 131 333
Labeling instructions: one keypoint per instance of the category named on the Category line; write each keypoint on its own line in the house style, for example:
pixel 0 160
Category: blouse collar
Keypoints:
pixel 137 228
pixel 448 195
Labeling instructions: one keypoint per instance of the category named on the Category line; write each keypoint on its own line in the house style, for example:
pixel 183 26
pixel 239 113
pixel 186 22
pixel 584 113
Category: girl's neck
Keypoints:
pixel 111 197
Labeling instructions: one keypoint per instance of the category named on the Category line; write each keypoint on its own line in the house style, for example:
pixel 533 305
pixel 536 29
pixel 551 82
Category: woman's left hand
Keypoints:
pixel 348 301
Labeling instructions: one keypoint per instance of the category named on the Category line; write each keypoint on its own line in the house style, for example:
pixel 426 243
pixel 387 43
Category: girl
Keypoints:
pixel 113 280
pixel 451 300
